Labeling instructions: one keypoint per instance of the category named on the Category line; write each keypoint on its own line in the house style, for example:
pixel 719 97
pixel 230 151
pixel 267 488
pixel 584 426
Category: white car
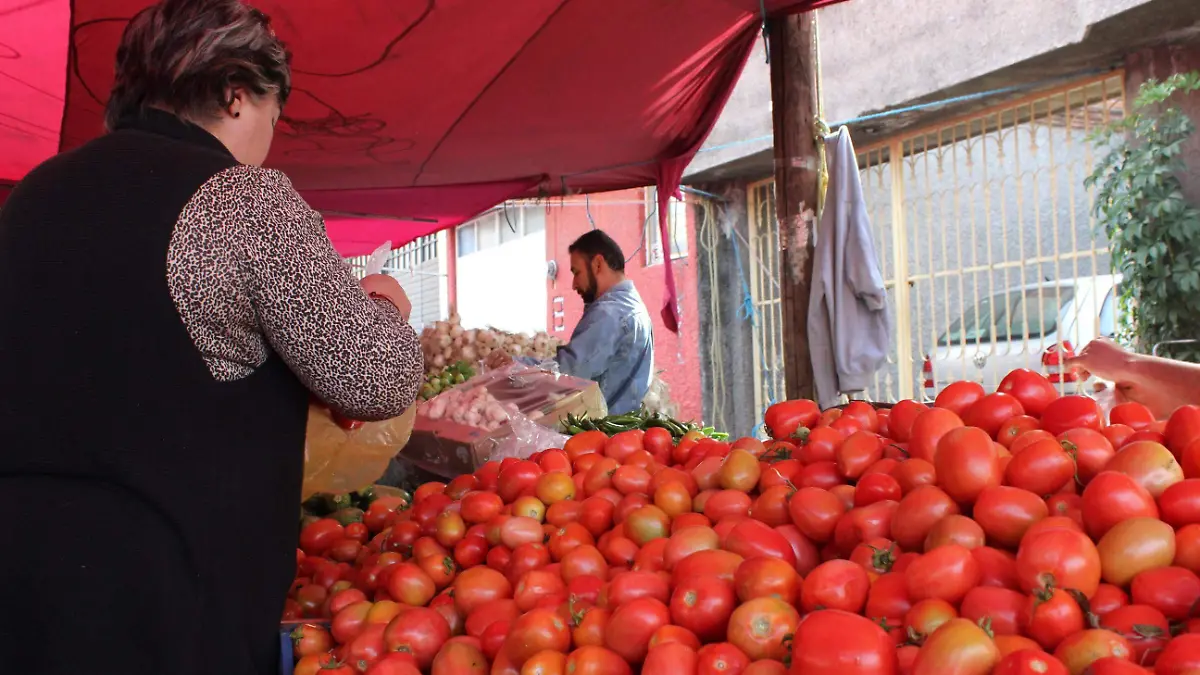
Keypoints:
pixel 1023 327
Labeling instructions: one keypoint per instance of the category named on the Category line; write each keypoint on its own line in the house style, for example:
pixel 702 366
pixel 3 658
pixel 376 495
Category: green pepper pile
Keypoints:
pixel 643 419
pixel 454 374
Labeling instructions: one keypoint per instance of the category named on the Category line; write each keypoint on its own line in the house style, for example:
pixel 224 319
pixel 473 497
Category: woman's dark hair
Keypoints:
pixel 596 243
pixel 186 56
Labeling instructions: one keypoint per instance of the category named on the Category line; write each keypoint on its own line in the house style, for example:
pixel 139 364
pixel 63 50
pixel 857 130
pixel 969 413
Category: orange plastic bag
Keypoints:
pixel 340 460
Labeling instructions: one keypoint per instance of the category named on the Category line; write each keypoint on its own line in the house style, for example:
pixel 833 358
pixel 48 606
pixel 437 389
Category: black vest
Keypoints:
pixel 151 510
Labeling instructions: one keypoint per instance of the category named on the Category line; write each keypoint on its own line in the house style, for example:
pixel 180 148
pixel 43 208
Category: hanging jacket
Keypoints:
pixel 848 329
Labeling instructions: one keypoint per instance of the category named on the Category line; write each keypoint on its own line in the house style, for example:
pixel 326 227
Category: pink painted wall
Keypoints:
pixel 621 215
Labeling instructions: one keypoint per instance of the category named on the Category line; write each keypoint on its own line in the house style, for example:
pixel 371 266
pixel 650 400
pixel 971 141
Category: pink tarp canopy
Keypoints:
pixel 425 111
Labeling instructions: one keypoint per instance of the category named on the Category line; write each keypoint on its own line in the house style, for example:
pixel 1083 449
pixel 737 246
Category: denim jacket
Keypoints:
pixel 613 345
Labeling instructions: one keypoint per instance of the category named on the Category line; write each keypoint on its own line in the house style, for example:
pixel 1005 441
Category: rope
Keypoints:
pixel 708 241
pixel 747 312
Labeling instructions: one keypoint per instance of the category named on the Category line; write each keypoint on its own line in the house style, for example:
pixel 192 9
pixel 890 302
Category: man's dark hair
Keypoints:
pixel 596 243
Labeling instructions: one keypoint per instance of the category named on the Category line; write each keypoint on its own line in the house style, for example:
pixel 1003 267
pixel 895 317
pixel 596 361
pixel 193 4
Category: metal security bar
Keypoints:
pixel 986 238
pixel 766 312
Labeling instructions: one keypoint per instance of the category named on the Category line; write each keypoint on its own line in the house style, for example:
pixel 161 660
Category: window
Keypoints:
pixel 467 241
pixel 976 324
pixel 1034 313
pixel 510 223
pixel 535 218
pixel 677 228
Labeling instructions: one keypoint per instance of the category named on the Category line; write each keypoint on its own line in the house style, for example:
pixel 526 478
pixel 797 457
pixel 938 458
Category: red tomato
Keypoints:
pixel 1006 513
pixel 1072 412
pixel 945 573
pixel 966 463
pixel 672 658
pixel 1112 497
pixel 703 606
pixel 1058 558
pixel 902 417
pixel 836 584
pixel 918 512
pixel 1117 434
pixel 1042 468
pixel 876 487
pixel 720 658
pixel 783 420
pixel 1014 428
pixel 751 538
pixel 1091 450
pixel 958 397
pixel 1173 591
pixel 478 585
pixel 992 411
pixel 857 453
pixel 1149 463
pixel 929 428
pixel 833 642
pixel 421 631
pixel 1134 415
pixel 759 628
pixel 722 564
pixel 815 512
pixel 1146 628
pixel 927 616
pixel 957 646
pixel 1050 615
pixel 596 661
pixel 1106 599
pixel 536 630
pixel 996 568
pixel 1183 428
pixel 1031 388
pixel 632 625
pixel 1002 607
pixel 319 535
pixel 1179 504
pixel 888 599
pixel 1081 649
pixel 912 473
pixel 1180 657
pixel 1030 662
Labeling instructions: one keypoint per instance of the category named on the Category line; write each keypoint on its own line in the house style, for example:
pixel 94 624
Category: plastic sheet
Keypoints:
pixel 340 460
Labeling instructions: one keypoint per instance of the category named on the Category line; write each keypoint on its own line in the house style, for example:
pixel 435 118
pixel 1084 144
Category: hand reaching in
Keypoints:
pixel 384 286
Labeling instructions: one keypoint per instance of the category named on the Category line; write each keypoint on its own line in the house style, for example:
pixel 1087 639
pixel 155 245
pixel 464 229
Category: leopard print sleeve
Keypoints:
pixel 357 354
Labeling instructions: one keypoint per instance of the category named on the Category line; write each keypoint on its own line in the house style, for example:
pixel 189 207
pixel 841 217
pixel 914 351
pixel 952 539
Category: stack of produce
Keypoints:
pixel 991 534
pixel 446 342
pixel 642 420
pixel 472 407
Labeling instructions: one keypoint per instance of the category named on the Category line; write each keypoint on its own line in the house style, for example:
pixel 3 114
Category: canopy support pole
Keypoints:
pixel 792 44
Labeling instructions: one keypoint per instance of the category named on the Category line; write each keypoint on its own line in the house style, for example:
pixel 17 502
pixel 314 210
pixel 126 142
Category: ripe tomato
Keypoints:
pixel 966 463
pixel 958 646
pixel 819 475
pixel 409 584
pixel 996 568
pixel 902 417
pixel 857 453
pixel 1146 628
pixel 759 627
pixel 1117 434
pixel 1050 615
pixel 783 420
pixel 590 624
pixel 1002 607
pixel 1030 662
pixel 751 538
pixel 534 631
pixel 1106 599
pixel 487 613
pixel 1006 513
pixel 1080 650
pixel 815 512
pixel 739 471
pixel 958 397
pixel 703 606
pixel 727 503
pixel 585 443
pixel 1058 558
pixel 835 584
pixel 672 658
pixel 1072 412
pixel 992 411
pixel 480 507
pixel 716 563
pixel 833 642
pixel 421 631
pixel 888 599
pixel 912 473
pixel 876 487
pixel 1112 497
pixel 596 661
pixel 478 585
pixel 1014 428
pixel 929 428
pixel 945 573
pixel 310 639
pixel 1148 463
pixel 1091 450
pixel 1031 388
pixel 396 663
pixel 1181 656
pixel 632 625
pixel 646 524
pixel 927 616
pixel 1132 414
pixel 1183 428
pixel 771 507
pixel 720 658
pixel 319 535
pixel 670 633
pixel 584 561
pixel 918 512
pixel 1173 591
pixel 1134 546
pixel 1042 468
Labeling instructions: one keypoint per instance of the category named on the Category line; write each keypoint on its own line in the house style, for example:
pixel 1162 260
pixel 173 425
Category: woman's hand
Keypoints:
pixel 1104 359
pixel 384 286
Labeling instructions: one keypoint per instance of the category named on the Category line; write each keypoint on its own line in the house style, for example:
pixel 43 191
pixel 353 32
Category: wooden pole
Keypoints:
pixel 792 46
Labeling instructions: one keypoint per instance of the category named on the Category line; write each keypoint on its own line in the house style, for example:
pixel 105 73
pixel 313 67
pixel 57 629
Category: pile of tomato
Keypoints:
pixel 1008 533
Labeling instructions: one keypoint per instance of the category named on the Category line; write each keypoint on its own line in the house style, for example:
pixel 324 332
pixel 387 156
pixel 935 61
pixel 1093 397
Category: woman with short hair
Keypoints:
pixel 169 308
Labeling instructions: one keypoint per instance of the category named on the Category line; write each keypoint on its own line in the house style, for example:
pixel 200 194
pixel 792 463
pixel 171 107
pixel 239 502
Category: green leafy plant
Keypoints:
pixel 1153 230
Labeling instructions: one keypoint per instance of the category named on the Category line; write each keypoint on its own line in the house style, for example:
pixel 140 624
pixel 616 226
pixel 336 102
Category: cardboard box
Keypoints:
pixel 450 449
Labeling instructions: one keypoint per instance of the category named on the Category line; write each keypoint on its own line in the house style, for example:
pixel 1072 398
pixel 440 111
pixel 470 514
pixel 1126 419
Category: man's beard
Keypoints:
pixel 589 294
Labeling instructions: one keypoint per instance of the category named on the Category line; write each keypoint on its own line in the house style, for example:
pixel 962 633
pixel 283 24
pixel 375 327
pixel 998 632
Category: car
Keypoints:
pixel 1030 326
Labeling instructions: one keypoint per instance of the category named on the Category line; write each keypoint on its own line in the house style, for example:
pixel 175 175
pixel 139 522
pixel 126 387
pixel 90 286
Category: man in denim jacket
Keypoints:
pixel 614 341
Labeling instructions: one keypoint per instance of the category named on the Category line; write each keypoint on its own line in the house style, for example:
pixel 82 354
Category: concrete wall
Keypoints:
pixel 878 54
pixel 1160 63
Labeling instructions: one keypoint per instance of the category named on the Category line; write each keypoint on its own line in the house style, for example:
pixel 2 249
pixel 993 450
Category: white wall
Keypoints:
pixel 504 286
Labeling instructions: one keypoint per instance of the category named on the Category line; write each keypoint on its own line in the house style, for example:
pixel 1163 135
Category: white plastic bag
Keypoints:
pixel 378 259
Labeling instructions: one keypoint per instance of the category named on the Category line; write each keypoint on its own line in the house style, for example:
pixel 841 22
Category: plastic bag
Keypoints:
pixel 378 258
pixel 525 438
pixel 340 460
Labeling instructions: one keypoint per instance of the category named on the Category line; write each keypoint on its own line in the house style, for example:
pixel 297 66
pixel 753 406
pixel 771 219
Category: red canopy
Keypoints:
pixel 426 111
